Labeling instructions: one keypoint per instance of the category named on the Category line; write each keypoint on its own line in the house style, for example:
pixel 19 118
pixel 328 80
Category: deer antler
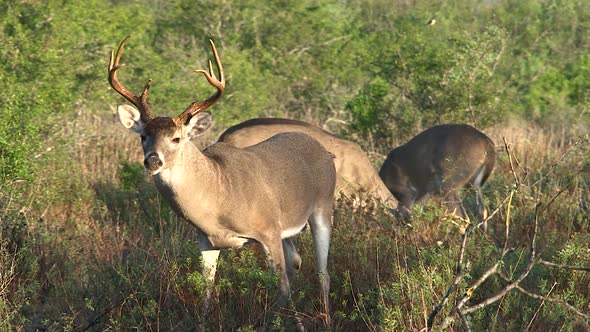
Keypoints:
pixel 199 106
pixel 139 101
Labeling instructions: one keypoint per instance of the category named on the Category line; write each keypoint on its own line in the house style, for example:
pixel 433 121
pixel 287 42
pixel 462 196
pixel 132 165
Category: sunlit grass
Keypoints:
pixel 94 247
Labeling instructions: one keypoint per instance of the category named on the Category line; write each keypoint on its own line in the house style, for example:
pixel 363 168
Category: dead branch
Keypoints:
pixel 512 171
pixel 459 274
pixel 553 167
pixel 461 309
pixel 500 294
pixel 563 266
pixel 553 299
pixel 528 327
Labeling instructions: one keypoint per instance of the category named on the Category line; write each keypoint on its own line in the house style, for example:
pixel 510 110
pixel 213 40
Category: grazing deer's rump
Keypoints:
pixel 440 160
pixel 265 193
pixel 355 172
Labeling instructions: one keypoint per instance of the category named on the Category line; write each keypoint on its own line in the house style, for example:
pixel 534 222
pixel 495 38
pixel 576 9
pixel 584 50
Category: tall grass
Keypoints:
pixel 89 245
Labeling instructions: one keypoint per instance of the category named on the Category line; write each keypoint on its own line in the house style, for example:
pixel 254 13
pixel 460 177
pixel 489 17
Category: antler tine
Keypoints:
pixel 199 106
pixel 139 101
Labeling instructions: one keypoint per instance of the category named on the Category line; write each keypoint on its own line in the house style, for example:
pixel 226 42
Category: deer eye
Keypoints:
pixel 176 140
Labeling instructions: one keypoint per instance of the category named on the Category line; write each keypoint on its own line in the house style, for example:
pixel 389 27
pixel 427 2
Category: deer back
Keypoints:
pixel 355 173
pixel 442 157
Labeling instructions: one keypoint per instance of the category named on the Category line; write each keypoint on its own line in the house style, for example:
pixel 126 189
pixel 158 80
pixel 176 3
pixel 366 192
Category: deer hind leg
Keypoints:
pixel 321 228
pixel 482 212
pixel 275 253
pixel 282 259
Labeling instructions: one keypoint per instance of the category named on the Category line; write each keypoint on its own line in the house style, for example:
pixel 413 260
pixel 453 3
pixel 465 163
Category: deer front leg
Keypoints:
pixel 209 257
pixel 406 197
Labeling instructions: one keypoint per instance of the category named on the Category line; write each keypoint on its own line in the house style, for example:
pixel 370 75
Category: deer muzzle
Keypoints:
pixel 153 162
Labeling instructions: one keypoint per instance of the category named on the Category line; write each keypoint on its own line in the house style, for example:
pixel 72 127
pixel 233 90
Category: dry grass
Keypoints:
pixel 97 249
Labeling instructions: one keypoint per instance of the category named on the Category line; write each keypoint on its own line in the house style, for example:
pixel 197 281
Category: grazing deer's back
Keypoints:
pixel 254 131
pixel 451 152
pixel 354 169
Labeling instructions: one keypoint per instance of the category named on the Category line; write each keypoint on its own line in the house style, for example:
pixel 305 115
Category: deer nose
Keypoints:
pixel 152 162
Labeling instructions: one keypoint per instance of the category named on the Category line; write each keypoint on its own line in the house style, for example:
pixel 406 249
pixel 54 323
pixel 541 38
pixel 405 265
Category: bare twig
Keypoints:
pixel 561 158
pixel 555 300
pixel 528 327
pixel 464 320
pixel 501 293
pixel 461 308
pixel 459 274
pixel 563 266
pixel 509 153
pixel 546 298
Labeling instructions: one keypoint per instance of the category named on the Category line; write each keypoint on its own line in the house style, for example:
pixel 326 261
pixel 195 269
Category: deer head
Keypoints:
pixel 162 137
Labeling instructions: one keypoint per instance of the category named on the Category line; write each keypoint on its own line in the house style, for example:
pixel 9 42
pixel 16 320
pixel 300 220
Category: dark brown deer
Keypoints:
pixel 355 173
pixel 440 160
pixel 265 193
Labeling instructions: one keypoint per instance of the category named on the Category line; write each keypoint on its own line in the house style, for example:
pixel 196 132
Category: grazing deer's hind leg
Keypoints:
pixel 292 259
pixel 293 263
pixel 274 250
pixel 278 260
pixel 482 213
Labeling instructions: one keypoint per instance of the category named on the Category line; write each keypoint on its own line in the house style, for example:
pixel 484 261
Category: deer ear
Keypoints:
pixel 130 118
pixel 198 124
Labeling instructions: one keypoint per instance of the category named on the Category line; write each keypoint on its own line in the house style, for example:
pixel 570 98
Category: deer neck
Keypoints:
pixel 189 181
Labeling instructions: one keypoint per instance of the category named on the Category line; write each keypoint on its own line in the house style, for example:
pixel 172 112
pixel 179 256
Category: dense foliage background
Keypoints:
pixel 80 225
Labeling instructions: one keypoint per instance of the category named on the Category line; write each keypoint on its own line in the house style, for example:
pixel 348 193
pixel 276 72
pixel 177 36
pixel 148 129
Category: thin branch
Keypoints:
pixel 555 300
pixel 461 309
pixel 547 298
pixel 464 320
pixel 491 215
pixel 512 171
pixel 528 327
pixel 561 158
pixel 488 273
pixel 497 59
pixel 563 266
pixel 500 294
pixel 459 274
pixel 507 222
pixel 302 49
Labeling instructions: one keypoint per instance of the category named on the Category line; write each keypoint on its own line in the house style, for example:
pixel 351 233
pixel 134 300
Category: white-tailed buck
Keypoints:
pixel 355 173
pixel 440 160
pixel 265 193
